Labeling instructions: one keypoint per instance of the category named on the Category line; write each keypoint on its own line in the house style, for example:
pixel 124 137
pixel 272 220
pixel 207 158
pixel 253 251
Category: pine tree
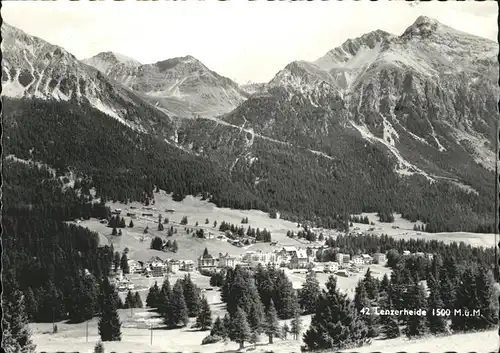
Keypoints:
pixel 309 294
pixel 296 326
pixel 129 300
pixel 17 336
pixel 131 224
pixel 109 322
pixel 465 299
pixel 415 324
pixel 124 264
pixel 435 322
pixel 272 325
pixel 114 231
pixel 371 285
pixel 164 298
pixel 239 330
pixel 219 328
pixel 116 261
pixel 484 294
pixel 175 247
pixel 361 301
pixel 177 312
pixel 138 300
pixel 204 318
pixel 153 296
pixel 336 324
pixel 191 296
pixel 285 329
pixel 384 285
pixel 31 304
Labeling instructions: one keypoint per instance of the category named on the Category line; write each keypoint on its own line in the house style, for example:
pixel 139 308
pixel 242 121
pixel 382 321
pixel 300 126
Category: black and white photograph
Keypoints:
pixel 250 176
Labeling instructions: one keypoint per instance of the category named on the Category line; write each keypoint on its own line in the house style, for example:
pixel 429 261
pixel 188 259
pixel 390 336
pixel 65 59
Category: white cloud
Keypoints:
pixel 239 39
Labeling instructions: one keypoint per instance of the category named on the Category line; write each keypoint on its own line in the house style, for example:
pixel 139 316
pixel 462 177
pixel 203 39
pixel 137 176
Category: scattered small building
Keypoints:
pixel 406 253
pixel 420 254
pixel 174 266
pixel 227 261
pixel 330 267
pixel 357 260
pixel 207 262
pixel 187 265
pixel 147 215
pixel 343 273
pixel 367 259
pixel 379 257
pixel 300 259
pixel 131 215
pixel 429 256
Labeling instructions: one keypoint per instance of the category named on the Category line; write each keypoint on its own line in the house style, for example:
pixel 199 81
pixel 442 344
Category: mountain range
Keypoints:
pixel 383 122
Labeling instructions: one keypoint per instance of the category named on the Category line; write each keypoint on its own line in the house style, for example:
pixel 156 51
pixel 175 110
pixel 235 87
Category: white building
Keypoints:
pixel 406 253
pixel 357 260
pixel 331 267
pixel 254 258
pixel 367 259
pixel 227 261
pixel 343 258
pixel 379 257
pixel 174 266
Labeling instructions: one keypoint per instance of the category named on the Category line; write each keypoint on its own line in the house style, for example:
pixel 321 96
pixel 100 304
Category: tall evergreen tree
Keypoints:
pixel 124 264
pixel 484 294
pixel 109 323
pixel 272 325
pixel 191 296
pixel 296 326
pixel 415 324
pixel 336 324
pixel 371 285
pixel 390 324
pixel 239 330
pixel 361 301
pixel 177 312
pixel 465 299
pixel 116 261
pixel 17 336
pixel 129 300
pixel 218 328
pixel 153 296
pixel 436 323
pixel 309 294
pixel 204 318
pixel 138 300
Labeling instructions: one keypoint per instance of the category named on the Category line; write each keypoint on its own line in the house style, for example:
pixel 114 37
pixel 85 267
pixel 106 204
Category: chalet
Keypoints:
pixel 187 265
pixel 207 262
pixel 131 214
pixel 134 266
pixel 155 261
pixel 227 261
pixel 357 260
pixel 367 259
pixel 300 259
pixel 288 252
pixel 330 267
pixel 174 266
pixel 170 211
pixel 103 221
pixel 117 211
pixel 419 254
pixel 406 253
pixel 343 258
pixel 158 271
pixel 147 215
pixel 429 256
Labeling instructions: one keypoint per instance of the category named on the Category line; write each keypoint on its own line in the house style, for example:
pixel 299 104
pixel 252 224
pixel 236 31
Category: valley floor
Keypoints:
pixel 137 335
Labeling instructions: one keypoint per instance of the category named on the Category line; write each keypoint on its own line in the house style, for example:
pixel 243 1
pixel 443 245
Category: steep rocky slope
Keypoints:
pixel 182 86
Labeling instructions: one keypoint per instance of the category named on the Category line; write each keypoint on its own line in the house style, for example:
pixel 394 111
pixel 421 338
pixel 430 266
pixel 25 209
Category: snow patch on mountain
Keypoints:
pixel 403 167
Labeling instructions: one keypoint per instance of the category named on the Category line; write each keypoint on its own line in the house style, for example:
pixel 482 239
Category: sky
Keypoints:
pixel 240 39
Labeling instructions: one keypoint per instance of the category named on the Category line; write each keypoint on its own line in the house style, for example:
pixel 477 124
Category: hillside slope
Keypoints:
pixel 182 86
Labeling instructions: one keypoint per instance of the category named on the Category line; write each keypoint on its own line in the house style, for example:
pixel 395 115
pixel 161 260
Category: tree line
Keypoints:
pixel 259 235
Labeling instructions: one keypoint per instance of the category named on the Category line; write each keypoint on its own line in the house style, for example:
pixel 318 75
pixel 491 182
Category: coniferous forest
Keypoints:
pixel 121 164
